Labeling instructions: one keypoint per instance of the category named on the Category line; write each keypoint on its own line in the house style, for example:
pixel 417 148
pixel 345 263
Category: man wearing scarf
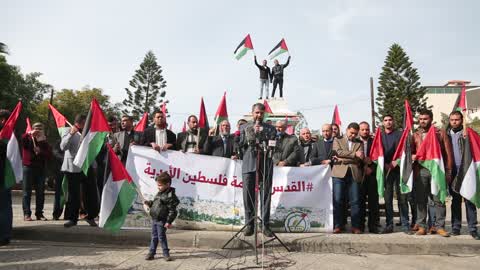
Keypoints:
pixel 194 140
pixel 305 142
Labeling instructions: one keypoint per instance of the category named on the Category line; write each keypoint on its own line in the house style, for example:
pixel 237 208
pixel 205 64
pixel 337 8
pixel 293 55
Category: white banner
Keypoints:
pixel 211 196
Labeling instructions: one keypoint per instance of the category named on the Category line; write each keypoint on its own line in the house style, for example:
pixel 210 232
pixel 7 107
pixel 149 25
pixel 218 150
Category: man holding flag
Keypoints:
pixel 277 74
pixel 428 177
pixel 265 77
pixel 455 134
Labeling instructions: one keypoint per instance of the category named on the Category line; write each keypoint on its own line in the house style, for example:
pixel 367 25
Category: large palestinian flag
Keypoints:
pixel 467 182
pixel 280 48
pixel 142 124
pixel 202 118
pixel 60 120
pixel 461 103
pixel 377 156
pixel 429 155
pixel 243 47
pixel 93 137
pixel 118 194
pixel 403 153
pixel 13 172
pixel 268 110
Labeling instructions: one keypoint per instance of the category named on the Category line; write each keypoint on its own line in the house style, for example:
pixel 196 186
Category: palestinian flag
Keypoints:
pixel 403 157
pixel 221 113
pixel 29 125
pixel 268 110
pixel 429 155
pixel 118 194
pixel 467 182
pixel 377 156
pixel 13 163
pixel 142 124
pixel 203 119
pixel 60 120
pixel 243 47
pixel 279 49
pixel 164 109
pixel 289 130
pixel 461 104
pixel 184 129
pixel 336 117
pixel 403 153
pixel 93 137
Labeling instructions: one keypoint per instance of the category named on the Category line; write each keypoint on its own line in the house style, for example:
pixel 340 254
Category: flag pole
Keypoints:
pixel 465 113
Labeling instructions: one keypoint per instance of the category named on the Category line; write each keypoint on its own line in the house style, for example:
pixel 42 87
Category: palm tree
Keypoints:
pixel 3 48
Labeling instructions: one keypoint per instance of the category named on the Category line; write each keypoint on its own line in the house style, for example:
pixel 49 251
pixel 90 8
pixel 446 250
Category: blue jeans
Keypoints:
pixel 159 233
pixel 33 177
pixel 392 183
pixel 6 214
pixel 343 187
pixel 264 83
pixel 471 211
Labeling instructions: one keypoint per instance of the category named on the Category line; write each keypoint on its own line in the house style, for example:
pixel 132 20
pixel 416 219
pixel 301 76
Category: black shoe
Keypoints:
pixel 373 230
pixel 149 257
pixel 4 242
pixel 41 217
pixel 267 231
pixel 55 217
pixel 455 232
pixel 69 224
pixel 475 235
pixel 248 231
pixel 387 230
pixel 167 258
pixel 91 222
pixel 398 224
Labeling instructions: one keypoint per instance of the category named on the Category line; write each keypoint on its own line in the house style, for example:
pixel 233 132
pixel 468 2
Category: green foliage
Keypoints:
pixel 147 84
pixel 475 124
pixel 399 81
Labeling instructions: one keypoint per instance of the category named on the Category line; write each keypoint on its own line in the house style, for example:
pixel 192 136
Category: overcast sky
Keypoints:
pixel 336 46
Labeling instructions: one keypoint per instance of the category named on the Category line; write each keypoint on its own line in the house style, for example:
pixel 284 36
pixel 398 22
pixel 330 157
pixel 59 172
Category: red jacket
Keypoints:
pixel 30 159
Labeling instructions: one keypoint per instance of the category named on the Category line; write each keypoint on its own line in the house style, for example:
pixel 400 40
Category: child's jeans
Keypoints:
pixel 158 233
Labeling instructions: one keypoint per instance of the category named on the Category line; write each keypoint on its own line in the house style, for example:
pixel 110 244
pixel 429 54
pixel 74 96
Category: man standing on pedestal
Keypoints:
pixel 265 77
pixel 277 73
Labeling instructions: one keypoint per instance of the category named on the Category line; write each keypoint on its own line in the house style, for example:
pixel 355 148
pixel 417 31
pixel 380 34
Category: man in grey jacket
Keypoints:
pixel 74 176
pixel 252 137
pixel 286 147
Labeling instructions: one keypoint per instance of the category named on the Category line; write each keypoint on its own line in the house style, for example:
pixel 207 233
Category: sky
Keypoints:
pixel 336 46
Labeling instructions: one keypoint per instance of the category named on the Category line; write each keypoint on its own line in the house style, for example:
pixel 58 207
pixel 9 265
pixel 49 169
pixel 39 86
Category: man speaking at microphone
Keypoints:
pixel 253 144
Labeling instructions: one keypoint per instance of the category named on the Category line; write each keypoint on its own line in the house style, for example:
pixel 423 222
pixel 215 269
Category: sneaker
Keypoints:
pixel 91 222
pixel 248 231
pixel 167 258
pixel 149 257
pixel 27 218
pixel 41 217
pixel 267 232
pixel 69 224
pixel 443 233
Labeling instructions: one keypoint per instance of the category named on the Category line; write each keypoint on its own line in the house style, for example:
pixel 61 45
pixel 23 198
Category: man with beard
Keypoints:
pixel 455 134
pixel 422 176
pixel 124 138
pixel 305 149
pixel 335 131
pixel 159 137
pixel 252 136
pixel 286 148
pixel 222 145
pixel 6 214
pixel 194 140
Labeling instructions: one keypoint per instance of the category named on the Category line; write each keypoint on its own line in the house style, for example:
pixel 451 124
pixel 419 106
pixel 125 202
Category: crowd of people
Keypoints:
pixel 353 172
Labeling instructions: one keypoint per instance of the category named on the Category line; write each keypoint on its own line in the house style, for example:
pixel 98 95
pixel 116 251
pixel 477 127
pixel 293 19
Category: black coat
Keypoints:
pixel 149 137
pixel 216 148
pixel 181 143
pixel 286 149
pixel 164 206
pixel 320 153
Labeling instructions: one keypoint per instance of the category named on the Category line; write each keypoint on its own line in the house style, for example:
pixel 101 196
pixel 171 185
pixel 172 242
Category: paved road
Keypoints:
pixel 58 255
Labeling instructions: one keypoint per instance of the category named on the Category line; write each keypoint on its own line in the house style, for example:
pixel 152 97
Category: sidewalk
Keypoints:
pixel 397 243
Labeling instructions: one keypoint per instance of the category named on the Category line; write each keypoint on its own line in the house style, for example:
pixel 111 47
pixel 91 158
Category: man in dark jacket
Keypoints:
pixel 322 150
pixel 222 145
pixel 455 134
pixel 277 73
pixel 159 137
pixel 6 214
pixel 124 138
pixel 194 140
pixel 265 77
pixel 305 146
pixel 286 148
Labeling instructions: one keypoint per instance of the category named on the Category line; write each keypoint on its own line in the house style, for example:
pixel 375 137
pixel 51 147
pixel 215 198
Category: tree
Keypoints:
pixel 147 84
pixel 399 81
